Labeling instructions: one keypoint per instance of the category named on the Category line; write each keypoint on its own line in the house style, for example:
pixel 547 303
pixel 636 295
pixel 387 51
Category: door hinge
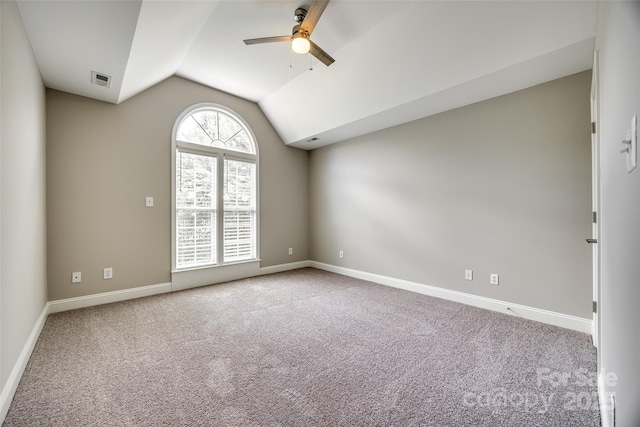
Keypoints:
pixel 593 127
pixel 594 306
pixel 594 217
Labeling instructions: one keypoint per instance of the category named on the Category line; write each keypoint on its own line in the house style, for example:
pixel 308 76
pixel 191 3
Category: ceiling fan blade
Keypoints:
pixel 323 56
pixel 313 15
pixel 268 40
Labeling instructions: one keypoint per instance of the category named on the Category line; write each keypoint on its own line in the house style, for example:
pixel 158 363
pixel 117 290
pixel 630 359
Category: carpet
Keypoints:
pixel 304 348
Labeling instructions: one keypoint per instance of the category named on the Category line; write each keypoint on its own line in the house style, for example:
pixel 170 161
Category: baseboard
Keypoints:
pixel 145 291
pixel 284 267
pixel 607 403
pixel 550 317
pixel 196 278
pixel 10 387
pixel 107 297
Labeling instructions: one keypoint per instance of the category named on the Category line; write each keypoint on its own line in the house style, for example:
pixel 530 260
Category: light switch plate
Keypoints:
pixel 149 202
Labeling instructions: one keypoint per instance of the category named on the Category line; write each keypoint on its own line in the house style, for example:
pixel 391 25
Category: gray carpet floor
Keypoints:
pixel 304 348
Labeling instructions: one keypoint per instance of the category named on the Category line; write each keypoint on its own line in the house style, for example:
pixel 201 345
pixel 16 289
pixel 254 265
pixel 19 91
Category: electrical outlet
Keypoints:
pixel 468 275
pixel 76 277
pixel 495 279
pixel 290 251
pixel 108 273
pixel 341 254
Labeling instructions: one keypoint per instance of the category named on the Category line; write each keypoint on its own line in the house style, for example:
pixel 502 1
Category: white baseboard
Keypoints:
pixel 11 385
pixel 607 403
pixel 198 277
pixel 550 317
pixel 145 291
pixel 284 267
pixel 107 297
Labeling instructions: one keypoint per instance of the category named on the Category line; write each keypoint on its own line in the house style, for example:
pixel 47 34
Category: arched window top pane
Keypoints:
pixel 214 127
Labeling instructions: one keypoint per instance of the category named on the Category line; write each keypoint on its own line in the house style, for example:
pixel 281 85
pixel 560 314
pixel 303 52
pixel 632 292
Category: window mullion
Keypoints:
pixel 220 211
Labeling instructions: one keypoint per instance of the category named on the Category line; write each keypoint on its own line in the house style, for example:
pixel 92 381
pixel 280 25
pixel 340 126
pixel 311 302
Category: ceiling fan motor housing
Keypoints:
pixel 296 30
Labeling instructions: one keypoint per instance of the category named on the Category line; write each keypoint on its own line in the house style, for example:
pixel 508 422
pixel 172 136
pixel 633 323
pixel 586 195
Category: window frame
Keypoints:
pixel 221 154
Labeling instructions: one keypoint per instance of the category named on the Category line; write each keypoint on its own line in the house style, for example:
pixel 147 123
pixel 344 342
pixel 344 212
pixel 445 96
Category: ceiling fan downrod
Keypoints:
pixel 299 15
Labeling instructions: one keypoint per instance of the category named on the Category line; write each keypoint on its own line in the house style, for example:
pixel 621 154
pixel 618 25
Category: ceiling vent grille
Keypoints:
pixel 100 79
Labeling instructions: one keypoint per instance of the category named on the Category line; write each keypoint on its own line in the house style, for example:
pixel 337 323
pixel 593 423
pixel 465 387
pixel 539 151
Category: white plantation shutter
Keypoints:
pixel 239 210
pixel 196 203
pixel 215 193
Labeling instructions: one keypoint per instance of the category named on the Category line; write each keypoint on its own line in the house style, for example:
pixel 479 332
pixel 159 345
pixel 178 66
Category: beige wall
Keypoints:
pixel 618 38
pixel 501 186
pixel 23 264
pixel 104 159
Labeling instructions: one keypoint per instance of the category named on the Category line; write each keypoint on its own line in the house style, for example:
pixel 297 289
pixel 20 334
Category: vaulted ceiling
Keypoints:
pixel 396 60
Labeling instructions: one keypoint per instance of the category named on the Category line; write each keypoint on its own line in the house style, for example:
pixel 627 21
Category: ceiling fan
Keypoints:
pixel 301 33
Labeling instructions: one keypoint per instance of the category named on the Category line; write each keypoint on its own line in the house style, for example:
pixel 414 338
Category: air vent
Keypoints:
pixel 100 79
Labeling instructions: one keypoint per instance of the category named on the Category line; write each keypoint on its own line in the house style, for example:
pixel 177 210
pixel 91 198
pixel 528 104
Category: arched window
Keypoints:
pixel 215 216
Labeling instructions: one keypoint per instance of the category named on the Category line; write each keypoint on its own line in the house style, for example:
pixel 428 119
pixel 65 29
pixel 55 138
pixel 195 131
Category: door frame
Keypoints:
pixel 595 201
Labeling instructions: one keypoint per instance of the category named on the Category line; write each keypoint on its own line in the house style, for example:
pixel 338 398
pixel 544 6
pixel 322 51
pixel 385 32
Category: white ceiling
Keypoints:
pixel 396 61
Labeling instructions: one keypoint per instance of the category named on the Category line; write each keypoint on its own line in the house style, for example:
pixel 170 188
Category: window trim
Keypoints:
pixel 221 154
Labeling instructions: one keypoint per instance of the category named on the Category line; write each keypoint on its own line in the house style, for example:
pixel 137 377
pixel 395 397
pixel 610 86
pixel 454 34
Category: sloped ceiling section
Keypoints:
pixel 72 39
pixel 396 60
pixel 219 58
pixel 430 57
pixel 164 34
pixel 137 43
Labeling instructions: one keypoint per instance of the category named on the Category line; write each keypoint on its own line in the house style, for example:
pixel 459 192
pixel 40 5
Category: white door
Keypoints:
pixel 595 189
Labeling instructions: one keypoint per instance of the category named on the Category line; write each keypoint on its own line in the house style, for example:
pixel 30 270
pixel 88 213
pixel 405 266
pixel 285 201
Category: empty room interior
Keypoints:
pixel 319 213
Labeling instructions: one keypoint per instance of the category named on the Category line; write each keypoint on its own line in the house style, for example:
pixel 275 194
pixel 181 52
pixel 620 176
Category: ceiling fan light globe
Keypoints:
pixel 300 45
